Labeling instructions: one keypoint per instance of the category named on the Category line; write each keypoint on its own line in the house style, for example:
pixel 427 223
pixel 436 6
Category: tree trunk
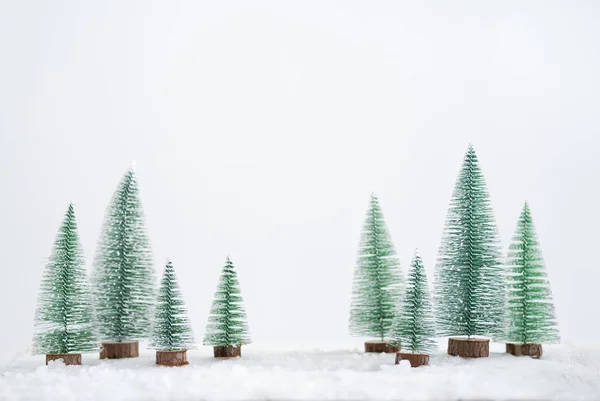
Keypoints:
pixel 68 359
pixel 415 360
pixel 469 347
pixel 227 351
pixel 119 349
pixel 532 350
pixel 171 358
pixel 379 347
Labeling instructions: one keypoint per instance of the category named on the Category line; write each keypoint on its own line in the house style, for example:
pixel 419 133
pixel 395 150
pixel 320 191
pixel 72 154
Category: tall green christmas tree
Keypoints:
pixel 172 331
pixel 469 280
pixel 531 317
pixel 377 279
pixel 63 320
pixel 227 323
pixel 124 281
pixel 414 327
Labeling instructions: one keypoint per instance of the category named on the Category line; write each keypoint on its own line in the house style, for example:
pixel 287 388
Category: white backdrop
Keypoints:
pixel 260 131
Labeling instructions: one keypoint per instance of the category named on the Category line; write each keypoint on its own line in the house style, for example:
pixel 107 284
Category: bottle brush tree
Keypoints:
pixel 124 281
pixel 63 320
pixel 172 334
pixel 377 282
pixel 227 328
pixel 414 325
pixel 531 318
pixel 469 281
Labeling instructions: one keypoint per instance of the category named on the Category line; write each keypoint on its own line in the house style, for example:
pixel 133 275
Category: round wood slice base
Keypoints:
pixel 228 351
pixel 532 350
pixel 68 359
pixel 171 358
pixel 118 350
pixel 469 347
pixel 379 347
pixel 415 360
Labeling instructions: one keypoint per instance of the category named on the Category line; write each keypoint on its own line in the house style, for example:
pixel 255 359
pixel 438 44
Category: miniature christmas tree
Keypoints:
pixel 172 334
pixel 63 320
pixel 227 329
pixel 414 326
pixel 469 281
pixel 377 282
pixel 531 318
pixel 124 281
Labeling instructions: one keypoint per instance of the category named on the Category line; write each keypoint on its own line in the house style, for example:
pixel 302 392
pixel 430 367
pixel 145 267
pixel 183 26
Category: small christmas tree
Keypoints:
pixel 531 317
pixel 63 320
pixel 377 282
pixel 227 329
pixel 469 281
pixel 414 326
pixel 124 281
pixel 172 334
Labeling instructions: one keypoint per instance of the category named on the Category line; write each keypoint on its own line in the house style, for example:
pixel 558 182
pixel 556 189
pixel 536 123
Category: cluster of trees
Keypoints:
pixel 476 293
pixel 121 303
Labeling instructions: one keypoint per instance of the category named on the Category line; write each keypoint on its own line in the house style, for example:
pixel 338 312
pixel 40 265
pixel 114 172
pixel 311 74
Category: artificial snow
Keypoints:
pixel 564 373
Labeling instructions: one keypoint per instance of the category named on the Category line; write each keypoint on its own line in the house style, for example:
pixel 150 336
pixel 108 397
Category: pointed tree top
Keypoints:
pixel 132 168
pixel 70 209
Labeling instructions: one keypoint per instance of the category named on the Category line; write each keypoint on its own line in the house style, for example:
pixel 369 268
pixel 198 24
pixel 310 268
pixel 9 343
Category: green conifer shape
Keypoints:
pixel 531 317
pixel 63 320
pixel 469 280
pixel 227 323
pixel 172 331
pixel 378 279
pixel 123 280
pixel 414 326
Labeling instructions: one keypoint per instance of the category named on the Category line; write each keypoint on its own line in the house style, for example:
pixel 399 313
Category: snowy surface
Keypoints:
pixel 565 373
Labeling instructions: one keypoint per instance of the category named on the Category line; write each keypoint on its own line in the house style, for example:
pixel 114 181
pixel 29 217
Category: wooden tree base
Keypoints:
pixel 415 360
pixel 532 350
pixel 228 351
pixel 118 350
pixel 68 359
pixel 171 358
pixel 469 347
pixel 380 346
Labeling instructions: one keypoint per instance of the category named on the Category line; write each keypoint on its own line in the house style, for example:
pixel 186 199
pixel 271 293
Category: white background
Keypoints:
pixel 259 130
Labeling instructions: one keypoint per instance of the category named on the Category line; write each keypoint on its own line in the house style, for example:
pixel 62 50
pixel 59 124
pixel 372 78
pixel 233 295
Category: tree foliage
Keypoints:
pixel 63 320
pixel 469 281
pixel 172 329
pixel 531 317
pixel 227 323
pixel 414 327
pixel 377 279
pixel 124 281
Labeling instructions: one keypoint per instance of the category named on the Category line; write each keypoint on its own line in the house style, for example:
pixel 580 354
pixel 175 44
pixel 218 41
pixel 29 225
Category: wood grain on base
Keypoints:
pixel 118 350
pixel 68 359
pixel 227 351
pixel 172 358
pixel 469 347
pixel 379 347
pixel 415 360
pixel 532 350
